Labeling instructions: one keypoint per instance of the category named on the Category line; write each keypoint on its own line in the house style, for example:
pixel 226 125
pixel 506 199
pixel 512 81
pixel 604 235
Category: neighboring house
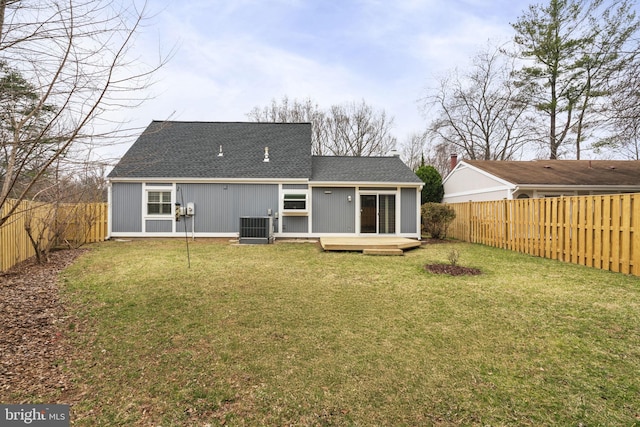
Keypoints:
pixel 481 180
pixel 224 171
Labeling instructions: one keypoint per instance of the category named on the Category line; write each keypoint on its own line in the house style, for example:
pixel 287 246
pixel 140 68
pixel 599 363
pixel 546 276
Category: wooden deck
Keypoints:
pixel 369 245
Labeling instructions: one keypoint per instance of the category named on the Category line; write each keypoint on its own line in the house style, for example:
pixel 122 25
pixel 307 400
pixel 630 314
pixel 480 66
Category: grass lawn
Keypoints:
pixel 286 334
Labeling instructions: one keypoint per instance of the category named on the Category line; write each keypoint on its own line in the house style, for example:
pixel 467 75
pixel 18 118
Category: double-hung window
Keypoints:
pixel 158 202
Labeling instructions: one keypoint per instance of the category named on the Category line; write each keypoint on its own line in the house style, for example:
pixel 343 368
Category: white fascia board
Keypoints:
pixel 364 184
pixel 271 181
pixel 459 165
pixel 214 180
pixel 478 191
pixel 462 164
pixel 553 187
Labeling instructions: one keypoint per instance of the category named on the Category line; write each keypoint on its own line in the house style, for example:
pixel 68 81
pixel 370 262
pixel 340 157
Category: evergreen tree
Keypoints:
pixel 574 50
pixel 24 141
pixel 433 191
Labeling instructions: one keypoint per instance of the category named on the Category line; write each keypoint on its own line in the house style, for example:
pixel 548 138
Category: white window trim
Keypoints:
pixel 395 192
pixel 163 189
pixel 294 212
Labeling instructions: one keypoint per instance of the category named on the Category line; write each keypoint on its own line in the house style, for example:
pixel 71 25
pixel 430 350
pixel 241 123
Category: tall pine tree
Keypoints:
pixel 573 50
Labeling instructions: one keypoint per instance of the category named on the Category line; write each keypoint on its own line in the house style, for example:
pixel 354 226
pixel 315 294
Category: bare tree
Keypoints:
pixel 356 129
pixel 482 114
pixel 413 149
pixel 624 116
pixel 351 129
pixel 74 57
pixel 63 205
pixel 439 156
pixel 287 111
pixel 606 63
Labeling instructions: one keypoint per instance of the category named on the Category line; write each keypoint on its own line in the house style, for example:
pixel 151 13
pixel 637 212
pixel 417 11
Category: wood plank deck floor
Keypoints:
pixel 364 243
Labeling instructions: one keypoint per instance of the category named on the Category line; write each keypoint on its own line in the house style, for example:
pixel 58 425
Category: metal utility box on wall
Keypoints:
pixel 256 230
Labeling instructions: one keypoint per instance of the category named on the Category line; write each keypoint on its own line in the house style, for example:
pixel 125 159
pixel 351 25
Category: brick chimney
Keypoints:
pixel 454 162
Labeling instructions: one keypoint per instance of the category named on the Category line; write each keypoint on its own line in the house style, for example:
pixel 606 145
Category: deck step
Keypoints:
pixel 360 243
pixel 373 251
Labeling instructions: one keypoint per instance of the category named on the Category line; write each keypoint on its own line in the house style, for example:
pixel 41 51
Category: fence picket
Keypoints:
pixel 596 231
pixel 84 223
pixel 589 235
pixel 625 235
pixel 634 235
pixel 615 235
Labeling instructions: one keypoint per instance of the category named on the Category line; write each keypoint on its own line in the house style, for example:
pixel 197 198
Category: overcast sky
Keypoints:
pixel 233 55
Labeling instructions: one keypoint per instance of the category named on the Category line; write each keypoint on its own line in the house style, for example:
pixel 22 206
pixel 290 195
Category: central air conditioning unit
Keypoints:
pixel 256 229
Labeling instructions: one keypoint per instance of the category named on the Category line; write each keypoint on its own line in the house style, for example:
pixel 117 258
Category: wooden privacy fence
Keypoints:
pixel 60 224
pixel 595 231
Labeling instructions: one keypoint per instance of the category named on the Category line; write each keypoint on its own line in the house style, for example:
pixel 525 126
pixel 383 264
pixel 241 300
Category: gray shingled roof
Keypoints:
pixel 362 169
pixel 171 149
pixel 563 172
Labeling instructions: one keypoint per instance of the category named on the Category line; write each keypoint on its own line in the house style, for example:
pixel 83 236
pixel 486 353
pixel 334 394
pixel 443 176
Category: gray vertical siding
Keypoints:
pixel 333 213
pixel 185 222
pixel 295 186
pixel 295 224
pixel 126 206
pixel 408 219
pixel 158 226
pixel 218 207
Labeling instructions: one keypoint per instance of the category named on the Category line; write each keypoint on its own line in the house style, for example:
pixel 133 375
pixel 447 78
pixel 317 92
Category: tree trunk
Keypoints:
pixel 3 6
pixel 553 147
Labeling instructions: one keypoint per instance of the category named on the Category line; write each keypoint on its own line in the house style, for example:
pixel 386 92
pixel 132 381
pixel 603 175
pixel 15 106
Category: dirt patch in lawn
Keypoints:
pixel 32 330
pixel 452 270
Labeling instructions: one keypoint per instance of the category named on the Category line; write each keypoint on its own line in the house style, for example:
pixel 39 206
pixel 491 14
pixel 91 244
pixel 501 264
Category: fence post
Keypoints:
pixel 470 221
pixel 597 231
pixel 625 230
pixel 507 218
pixel 635 233
pixel 14 241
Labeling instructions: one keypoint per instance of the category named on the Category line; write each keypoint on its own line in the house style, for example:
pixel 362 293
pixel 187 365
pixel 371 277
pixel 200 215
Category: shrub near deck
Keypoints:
pixel 287 334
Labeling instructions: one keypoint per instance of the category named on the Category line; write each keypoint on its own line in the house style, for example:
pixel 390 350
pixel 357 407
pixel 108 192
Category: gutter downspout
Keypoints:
pixel 419 213
pixel 515 190
pixel 109 209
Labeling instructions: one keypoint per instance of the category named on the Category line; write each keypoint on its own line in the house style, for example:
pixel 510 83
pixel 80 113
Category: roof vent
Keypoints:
pixel 612 167
pixel 266 154
pixel 220 154
pixel 547 166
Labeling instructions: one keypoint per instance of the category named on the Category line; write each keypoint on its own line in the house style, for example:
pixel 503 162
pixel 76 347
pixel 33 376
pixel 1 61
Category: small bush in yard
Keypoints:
pixel 454 256
pixel 436 218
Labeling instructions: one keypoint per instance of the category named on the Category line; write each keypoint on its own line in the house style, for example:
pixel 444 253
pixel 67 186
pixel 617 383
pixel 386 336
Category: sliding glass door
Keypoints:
pixel 377 213
pixel 386 214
